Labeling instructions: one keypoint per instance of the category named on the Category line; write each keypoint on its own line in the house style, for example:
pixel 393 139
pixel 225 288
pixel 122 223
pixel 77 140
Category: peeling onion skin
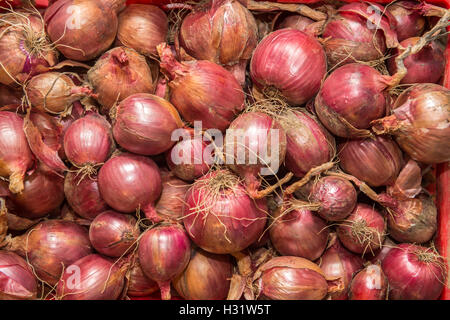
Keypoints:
pixel 369 284
pixel 291 62
pixel 409 22
pixel 17 279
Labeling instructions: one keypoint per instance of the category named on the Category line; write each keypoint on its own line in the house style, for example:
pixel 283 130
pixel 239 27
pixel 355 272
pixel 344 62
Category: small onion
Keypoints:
pixel 409 22
pixel 17 279
pixel 139 285
pixel 369 284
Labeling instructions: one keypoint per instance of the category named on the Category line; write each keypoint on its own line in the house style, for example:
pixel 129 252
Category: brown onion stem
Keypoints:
pixel 311 173
pixel 362 185
pixel 302 9
pixel 3 221
pixel 263 193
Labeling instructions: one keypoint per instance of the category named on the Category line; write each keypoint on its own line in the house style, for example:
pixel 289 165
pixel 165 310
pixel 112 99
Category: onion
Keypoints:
pixel 420 123
pixel 164 252
pixel 139 285
pixel 66 122
pixel 83 195
pixel 290 278
pixel 380 254
pixel 24 48
pixel 144 124
pixel 10 96
pixel 142 27
pixel 351 97
pixel 296 21
pixel 369 284
pixel 15 155
pixel 254 143
pixel 118 74
pixel 51 246
pixel 409 22
pixel 425 66
pixel 363 231
pixel 339 265
pixel 375 161
pixel 17 279
pixel 83 29
pixel 206 277
pixel 171 201
pixel 202 90
pixel 128 182
pixel 414 273
pixel 219 215
pixel 92 278
pixel 289 62
pixel 298 232
pixel 221 31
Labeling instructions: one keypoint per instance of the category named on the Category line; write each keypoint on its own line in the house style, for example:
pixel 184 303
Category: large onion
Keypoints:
pixel 369 284
pixel 17 279
pixel 409 22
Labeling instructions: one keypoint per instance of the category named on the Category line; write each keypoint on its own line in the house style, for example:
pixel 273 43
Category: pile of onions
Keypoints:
pixel 15 155
pixel 408 20
pixel 17 279
pixel 24 48
pixel 202 90
pixel 419 123
pixel 221 31
pixel 51 246
pixel 83 29
pixel 164 252
pixel 118 74
pixel 289 63
pixel 290 278
pixel 206 277
pixel 219 215
pixel 350 98
pixel 363 230
pixel 426 66
pixel 92 277
pixel 128 182
pixel 375 161
pixel 414 273
pixel 113 234
pixel 142 27
pixel 139 285
pixel 369 284
pixel 144 124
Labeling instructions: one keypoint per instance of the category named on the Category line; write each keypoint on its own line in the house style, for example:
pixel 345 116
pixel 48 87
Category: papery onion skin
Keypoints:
pixel 113 234
pixel 369 284
pixel 409 22
pixel 411 278
pixel 118 74
pixel 291 62
pixel 97 278
pixel 15 154
pixel 419 123
pixel 86 39
pixel 375 161
pixel 139 284
pixel 206 277
pixel 142 27
pixel 51 246
pixel 352 95
pixel 164 252
pixel 144 124
pixel 17 279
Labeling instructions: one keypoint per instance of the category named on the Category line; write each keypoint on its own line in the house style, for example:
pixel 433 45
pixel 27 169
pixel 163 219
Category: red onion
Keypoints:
pixel 375 161
pixel 139 285
pixel 77 112
pixel 164 252
pixel 339 265
pixel 290 278
pixel 414 273
pixel 24 48
pixel 221 31
pixel 369 284
pixel 254 143
pixel 144 124
pixel 296 21
pixel 426 66
pixel 51 246
pixel 202 90
pixel 219 215
pixel 128 182
pixel 380 254
pixel 409 22
pixel 289 62
pixel 171 201
pixel 298 232
pixel 118 74
pixel 419 123
pixel 363 231
pixel 351 97
pixel 83 195
pixel 83 29
pixel 15 155
pixel 206 277
pixel 17 279
pixel 92 278
pixel 142 27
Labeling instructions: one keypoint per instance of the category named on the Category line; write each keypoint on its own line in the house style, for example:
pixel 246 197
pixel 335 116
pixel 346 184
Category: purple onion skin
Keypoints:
pixel 369 284
pixel 17 281
pixel 409 22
